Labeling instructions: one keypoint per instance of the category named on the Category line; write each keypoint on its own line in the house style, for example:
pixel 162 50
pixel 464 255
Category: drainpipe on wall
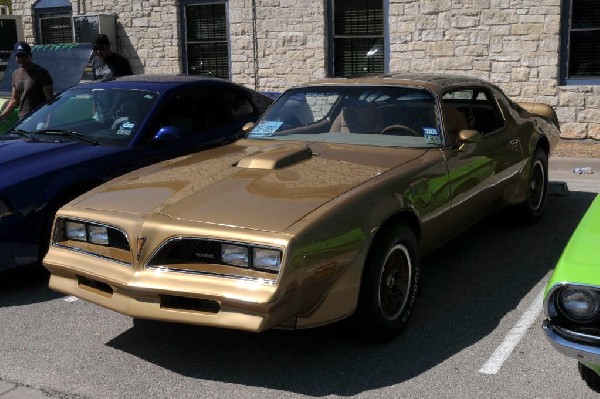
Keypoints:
pixel 255 44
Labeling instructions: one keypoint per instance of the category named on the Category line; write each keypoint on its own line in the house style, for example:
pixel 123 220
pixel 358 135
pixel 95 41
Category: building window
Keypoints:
pixel 206 48
pixel 55 28
pixel 53 23
pixel 357 37
pixel 580 42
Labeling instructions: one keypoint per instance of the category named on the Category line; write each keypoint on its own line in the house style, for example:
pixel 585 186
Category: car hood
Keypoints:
pixel 254 184
pixel 23 159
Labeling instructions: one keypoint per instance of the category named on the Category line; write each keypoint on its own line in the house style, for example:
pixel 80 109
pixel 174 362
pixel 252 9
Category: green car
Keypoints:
pixel 572 298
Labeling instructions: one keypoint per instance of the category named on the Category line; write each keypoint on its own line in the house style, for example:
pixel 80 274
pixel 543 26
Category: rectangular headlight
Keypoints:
pixel 235 255
pixel 75 231
pixel 4 209
pixel 98 234
pixel 266 259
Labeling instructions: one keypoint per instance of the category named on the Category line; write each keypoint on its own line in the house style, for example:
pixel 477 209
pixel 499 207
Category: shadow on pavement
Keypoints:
pixel 469 285
pixel 25 285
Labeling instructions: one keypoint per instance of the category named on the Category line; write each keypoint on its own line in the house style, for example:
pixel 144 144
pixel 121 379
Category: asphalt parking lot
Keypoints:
pixel 476 332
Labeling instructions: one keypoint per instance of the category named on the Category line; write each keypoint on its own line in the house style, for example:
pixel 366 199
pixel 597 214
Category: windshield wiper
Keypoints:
pixel 19 132
pixel 68 133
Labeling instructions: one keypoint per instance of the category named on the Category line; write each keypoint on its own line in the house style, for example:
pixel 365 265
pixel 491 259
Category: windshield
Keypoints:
pixel 373 115
pixel 103 116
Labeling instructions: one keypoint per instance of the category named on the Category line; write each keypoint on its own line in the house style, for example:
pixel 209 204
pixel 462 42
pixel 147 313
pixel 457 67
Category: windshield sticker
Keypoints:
pixel 125 129
pixel 432 136
pixel 265 129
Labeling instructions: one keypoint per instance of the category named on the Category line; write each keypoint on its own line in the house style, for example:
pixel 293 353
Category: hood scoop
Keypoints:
pixel 276 157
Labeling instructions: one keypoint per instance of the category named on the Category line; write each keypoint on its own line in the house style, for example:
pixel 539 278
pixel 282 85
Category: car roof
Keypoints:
pixel 157 82
pixel 437 82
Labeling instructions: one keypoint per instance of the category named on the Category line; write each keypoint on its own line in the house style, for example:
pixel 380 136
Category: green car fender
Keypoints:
pixel 580 260
pixel 12 118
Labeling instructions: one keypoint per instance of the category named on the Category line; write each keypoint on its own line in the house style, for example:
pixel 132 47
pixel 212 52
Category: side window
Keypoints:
pixel 473 109
pixel 241 107
pixel 186 111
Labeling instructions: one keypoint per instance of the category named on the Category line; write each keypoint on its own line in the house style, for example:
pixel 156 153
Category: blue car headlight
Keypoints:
pixel 5 209
pixel 579 304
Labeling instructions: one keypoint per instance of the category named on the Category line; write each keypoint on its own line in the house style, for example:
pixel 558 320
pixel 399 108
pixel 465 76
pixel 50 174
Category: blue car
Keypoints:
pixel 93 132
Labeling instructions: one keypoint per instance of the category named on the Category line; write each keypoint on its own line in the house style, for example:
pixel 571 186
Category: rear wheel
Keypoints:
pixel 532 209
pixel 389 285
pixel 591 378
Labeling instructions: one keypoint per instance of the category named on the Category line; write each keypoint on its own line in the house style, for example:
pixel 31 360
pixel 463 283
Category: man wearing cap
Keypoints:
pixel 108 64
pixel 32 85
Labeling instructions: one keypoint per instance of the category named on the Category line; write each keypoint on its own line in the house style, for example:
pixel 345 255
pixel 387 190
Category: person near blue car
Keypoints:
pixel 108 64
pixel 32 84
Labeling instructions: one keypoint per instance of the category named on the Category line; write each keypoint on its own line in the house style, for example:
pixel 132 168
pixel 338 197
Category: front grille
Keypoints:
pixel 186 251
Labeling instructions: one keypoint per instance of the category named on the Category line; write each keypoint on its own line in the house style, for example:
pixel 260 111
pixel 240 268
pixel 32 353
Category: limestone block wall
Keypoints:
pixel 281 43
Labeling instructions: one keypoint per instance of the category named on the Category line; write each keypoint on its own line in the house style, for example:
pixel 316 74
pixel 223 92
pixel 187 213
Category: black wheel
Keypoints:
pixel 591 378
pixel 532 209
pixel 389 285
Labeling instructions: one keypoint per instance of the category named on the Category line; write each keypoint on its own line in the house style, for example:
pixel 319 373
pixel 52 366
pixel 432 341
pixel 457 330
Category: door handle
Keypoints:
pixel 514 142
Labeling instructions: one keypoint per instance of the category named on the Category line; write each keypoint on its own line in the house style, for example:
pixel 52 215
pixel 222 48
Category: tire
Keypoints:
pixel 591 378
pixel 532 209
pixel 389 285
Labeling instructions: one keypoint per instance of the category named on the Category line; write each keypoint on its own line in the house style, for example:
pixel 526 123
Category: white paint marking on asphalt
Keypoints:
pixel 70 299
pixel 513 337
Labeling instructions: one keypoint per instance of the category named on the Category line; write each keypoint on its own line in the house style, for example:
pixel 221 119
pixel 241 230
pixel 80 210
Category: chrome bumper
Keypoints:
pixel 583 347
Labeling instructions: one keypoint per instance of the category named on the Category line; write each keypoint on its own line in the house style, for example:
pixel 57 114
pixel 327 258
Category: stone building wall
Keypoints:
pixel 513 43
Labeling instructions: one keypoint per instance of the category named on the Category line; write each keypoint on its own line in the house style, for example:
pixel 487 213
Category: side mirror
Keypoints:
pixel 166 134
pixel 468 136
pixel 248 126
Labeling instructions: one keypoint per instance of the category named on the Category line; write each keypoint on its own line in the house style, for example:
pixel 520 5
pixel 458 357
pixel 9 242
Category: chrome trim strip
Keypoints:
pixel 195 272
pixel 572 348
pixel 96 255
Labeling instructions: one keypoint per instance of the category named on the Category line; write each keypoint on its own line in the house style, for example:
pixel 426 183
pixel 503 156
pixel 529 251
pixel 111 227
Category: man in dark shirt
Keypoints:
pixel 31 84
pixel 108 64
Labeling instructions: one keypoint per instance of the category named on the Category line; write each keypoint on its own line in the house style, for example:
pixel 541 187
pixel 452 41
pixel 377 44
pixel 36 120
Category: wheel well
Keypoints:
pixel 404 216
pixel 544 144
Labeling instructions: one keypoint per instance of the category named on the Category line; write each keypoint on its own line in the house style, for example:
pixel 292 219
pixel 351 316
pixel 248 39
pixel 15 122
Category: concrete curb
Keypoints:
pixel 9 390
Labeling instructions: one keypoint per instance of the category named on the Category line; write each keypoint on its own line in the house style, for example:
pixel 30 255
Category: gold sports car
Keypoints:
pixel 321 212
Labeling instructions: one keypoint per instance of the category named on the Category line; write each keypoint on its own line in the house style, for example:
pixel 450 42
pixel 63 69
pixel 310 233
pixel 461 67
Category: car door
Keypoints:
pixel 480 172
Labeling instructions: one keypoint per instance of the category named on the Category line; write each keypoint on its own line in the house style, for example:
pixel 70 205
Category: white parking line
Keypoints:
pixel 513 337
pixel 70 299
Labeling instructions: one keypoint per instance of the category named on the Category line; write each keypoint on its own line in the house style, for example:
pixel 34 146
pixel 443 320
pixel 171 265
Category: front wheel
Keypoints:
pixel 389 285
pixel 537 185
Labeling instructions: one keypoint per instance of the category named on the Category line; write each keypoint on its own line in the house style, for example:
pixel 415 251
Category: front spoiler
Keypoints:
pixel 583 347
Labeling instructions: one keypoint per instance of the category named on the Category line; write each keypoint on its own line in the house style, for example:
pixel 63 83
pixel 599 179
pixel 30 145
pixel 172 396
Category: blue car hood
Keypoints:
pixel 23 159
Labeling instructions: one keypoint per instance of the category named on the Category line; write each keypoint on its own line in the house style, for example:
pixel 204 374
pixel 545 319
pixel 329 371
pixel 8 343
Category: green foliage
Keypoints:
pixel 6 3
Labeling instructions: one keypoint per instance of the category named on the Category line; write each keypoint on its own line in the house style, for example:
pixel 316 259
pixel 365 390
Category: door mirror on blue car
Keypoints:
pixel 167 133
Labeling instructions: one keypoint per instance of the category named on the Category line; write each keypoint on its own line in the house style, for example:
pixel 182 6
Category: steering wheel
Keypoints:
pixel 402 128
